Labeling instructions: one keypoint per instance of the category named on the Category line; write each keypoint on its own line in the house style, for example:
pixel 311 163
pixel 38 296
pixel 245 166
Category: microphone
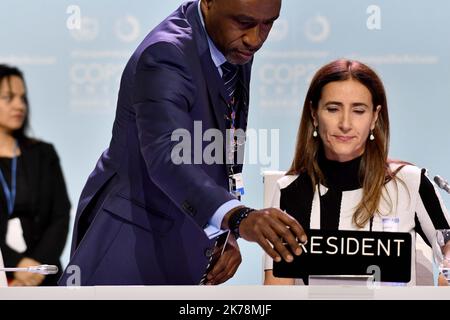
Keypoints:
pixel 442 183
pixel 41 269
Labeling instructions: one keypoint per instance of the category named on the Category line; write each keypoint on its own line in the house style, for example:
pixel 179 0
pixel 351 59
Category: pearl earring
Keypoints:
pixel 315 132
pixel 371 137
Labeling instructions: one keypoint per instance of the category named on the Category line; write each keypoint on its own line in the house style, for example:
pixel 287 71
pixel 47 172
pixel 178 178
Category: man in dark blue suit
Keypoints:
pixel 146 218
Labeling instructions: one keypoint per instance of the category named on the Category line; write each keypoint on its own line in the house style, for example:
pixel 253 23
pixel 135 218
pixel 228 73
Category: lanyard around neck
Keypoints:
pixel 10 194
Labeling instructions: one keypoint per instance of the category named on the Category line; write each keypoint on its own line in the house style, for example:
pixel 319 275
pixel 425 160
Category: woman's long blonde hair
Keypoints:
pixel 374 170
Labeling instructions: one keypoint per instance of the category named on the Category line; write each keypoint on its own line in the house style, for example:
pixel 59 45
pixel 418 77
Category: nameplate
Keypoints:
pixel 384 255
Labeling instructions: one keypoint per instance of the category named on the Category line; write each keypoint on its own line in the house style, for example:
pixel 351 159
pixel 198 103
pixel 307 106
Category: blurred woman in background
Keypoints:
pixel 32 191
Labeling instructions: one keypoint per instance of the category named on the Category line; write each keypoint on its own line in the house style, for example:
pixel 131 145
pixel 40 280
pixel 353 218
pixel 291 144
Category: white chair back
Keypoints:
pixel 3 282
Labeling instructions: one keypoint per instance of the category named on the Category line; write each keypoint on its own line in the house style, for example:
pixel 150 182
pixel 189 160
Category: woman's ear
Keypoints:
pixel 313 115
pixel 375 117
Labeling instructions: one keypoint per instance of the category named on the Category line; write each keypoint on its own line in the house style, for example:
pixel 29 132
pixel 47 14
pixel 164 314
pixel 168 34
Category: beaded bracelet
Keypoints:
pixel 236 219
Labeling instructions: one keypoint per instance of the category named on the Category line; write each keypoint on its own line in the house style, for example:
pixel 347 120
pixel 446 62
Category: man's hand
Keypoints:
pixel 270 228
pixel 27 278
pixel 227 264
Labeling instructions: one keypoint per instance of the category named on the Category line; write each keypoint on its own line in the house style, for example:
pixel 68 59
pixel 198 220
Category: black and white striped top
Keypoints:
pixel 415 201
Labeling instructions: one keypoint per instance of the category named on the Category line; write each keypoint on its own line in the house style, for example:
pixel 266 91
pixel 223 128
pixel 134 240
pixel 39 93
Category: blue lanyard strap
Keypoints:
pixel 10 194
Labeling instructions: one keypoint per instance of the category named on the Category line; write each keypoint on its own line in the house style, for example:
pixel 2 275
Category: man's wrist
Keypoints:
pixel 226 217
pixel 236 218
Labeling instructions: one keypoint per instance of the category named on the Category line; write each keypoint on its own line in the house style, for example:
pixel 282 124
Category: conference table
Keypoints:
pixel 227 292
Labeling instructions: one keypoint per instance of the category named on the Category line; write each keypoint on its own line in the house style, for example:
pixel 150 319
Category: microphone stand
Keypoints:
pixel 444 185
pixel 41 269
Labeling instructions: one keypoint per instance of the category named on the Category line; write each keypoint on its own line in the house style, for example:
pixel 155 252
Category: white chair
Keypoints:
pixel 3 282
pixel 424 264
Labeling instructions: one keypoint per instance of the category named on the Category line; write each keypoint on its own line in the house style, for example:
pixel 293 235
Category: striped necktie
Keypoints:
pixel 230 78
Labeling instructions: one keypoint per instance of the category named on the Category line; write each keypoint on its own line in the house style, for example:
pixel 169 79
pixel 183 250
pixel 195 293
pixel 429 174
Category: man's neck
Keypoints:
pixel 217 56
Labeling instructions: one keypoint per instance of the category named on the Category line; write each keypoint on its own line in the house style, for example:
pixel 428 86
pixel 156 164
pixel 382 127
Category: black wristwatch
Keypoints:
pixel 236 218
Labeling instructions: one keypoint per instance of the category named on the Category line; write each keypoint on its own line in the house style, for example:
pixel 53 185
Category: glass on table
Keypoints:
pixel 441 255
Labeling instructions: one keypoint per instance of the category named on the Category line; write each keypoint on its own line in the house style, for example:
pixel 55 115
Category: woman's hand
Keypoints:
pixel 27 278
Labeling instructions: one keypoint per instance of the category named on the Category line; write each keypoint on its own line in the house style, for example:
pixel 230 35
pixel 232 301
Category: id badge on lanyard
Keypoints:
pixel 236 184
pixel 390 224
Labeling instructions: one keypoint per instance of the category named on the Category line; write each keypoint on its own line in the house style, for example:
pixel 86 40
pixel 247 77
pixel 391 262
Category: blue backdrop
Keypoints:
pixel 73 76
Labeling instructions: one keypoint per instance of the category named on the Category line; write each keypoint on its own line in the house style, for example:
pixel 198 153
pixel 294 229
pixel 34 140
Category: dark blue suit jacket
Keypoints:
pixel 140 217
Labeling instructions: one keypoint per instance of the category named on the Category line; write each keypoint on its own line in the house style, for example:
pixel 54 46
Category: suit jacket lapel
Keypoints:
pixel 213 81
